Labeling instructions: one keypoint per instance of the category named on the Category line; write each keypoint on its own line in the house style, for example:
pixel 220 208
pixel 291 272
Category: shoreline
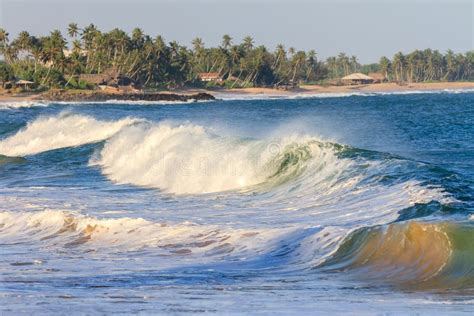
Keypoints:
pixel 190 94
pixel 308 90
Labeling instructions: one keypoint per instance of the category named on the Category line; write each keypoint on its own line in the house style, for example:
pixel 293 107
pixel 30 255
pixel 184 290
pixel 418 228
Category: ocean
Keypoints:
pixel 359 204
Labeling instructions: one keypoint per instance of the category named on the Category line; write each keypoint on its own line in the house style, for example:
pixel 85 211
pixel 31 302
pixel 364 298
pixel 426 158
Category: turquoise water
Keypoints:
pixel 350 203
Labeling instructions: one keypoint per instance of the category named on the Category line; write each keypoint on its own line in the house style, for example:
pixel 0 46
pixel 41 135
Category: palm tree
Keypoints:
pixel 88 36
pixel 384 65
pixel 198 44
pixel 280 55
pixel 5 49
pixel 450 65
pixel 23 42
pixel 312 63
pixel 297 61
pixel 73 30
pixel 343 62
pixel 3 36
pixel 247 43
pixel 226 41
pixel 36 50
pixel 398 66
pixel 137 37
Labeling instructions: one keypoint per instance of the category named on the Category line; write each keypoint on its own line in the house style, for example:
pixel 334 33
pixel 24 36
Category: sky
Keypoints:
pixel 365 28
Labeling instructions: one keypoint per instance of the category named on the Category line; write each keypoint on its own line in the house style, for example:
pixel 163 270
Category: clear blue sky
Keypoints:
pixel 365 28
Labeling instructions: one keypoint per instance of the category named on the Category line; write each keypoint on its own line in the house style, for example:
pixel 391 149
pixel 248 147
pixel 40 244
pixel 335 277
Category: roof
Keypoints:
pixel 106 76
pixel 357 76
pixel 24 82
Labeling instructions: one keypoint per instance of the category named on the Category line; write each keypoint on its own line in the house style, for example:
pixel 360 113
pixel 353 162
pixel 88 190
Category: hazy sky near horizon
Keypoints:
pixel 365 28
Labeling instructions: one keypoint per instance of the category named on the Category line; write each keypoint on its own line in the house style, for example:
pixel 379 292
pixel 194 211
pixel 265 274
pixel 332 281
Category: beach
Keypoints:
pixel 306 90
pixel 367 88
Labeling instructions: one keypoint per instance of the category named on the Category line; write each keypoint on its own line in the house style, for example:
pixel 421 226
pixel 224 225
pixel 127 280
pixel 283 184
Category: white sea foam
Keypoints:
pixel 21 104
pixel 70 229
pixel 64 130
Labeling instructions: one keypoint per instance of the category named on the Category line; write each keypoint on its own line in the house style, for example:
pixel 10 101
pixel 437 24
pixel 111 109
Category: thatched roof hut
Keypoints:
pixel 357 78
pixel 110 77
pixel 25 84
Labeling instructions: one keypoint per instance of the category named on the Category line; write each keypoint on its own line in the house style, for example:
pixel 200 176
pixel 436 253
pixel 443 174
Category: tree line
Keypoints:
pixel 50 61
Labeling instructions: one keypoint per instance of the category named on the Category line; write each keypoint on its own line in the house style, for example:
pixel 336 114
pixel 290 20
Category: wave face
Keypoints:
pixel 64 130
pixel 415 254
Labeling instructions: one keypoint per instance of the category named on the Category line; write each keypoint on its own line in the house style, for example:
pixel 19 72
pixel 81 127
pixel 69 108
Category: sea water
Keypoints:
pixel 342 203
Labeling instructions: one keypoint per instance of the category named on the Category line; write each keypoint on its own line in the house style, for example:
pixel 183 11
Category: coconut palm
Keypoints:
pixel 226 41
pixel 73 30
pixel 248 43
pixel 384 66
pixel 398 66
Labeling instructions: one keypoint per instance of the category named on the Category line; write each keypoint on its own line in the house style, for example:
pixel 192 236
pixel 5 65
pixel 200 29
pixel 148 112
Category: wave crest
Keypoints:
pixel 64 130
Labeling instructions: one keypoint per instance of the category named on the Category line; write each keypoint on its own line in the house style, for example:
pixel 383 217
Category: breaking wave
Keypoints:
pixel 190 159
pixel 21 104
pixel 64 130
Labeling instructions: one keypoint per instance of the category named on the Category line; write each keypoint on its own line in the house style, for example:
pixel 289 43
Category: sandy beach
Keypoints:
pixel 382 87
pixel 302 90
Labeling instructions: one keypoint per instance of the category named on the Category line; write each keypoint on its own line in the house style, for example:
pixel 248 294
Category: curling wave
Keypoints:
pixel 419 255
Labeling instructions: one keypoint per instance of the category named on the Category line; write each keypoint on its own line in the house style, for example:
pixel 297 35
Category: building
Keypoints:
pixel 378 77
pixel 357 78
pixel 210 77
pixel 110 77
pixel 25 84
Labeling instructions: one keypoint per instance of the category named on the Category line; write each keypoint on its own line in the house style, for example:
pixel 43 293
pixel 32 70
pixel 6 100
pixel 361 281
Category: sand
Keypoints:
pixel 382 87
pixel 303 90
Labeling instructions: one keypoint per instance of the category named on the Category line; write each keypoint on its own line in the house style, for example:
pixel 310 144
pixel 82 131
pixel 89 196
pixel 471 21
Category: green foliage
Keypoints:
pixel 366 69
pixel 51 78
pixel 6 72
pixel 74 83
pixel 156 64
pixel 429 66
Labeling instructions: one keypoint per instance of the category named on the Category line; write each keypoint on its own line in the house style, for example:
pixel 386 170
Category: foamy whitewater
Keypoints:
pixel 282 206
